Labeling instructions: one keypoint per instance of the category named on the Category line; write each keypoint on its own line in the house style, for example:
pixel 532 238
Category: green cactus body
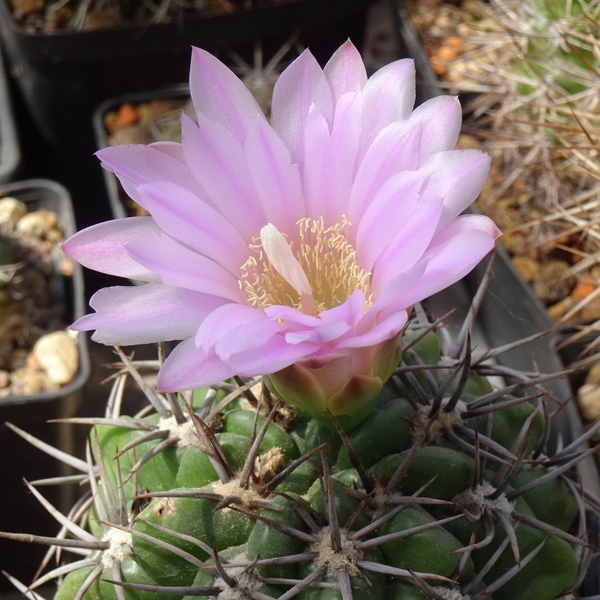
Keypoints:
pixel 418 497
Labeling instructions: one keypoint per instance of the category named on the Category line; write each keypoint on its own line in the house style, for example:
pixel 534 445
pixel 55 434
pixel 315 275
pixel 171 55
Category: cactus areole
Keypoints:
pixel 324 447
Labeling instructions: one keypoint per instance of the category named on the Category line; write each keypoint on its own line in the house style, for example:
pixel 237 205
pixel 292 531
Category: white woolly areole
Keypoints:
pixel 185 432
pixel 119 549
pixel 245 496
pixel 381 503
pixel 448 594
pixel 344 560
pixel 443 422
pixel 245 581
pixel 477 497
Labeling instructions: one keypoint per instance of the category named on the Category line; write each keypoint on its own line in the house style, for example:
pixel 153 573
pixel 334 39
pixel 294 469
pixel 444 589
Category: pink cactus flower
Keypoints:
pixel 294 248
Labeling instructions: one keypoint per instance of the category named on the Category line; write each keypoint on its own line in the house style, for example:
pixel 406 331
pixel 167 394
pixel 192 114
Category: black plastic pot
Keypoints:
pixel 113 188
pixel 21 511
pixel 10 150
pixel 65 74
pixel 42 193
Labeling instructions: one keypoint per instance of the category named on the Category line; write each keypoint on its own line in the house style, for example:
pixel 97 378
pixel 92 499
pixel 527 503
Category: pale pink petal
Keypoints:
pixel 223 320
pixel 393 151
pixel 349 312
pixel 182 267
pixel 388 213
pixel 448 262
pixel 292 316
pixel 136 164
pixel 329 164
pixel 410 244
pixel 441 119
pixel 249 336
pixel 270 358
pixel 299 87
pixel 313 166
pixel 172 149
pixel 185 217
pixel 220 95
pixel 319 335
pixel 145 314
pixel 101 247
pixel 276 179
pixel 387 299
pixel 188 368
pixel 388 96
pixel 381 332
pixel 345 71
pixel 463 225
pixel 458 177
pixel 220 164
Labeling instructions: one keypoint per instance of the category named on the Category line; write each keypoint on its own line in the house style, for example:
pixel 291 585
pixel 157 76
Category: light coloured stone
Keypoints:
pixel 588 399
pixel 25 381
pixel 4 379
pixel 11 211
pixel 58 356
pixel 593 376
pixel 38 223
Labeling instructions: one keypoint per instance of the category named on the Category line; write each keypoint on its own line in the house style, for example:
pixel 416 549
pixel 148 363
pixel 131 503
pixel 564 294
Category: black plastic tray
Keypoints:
pixel 65 74
pixel 10 149
pixel 42 193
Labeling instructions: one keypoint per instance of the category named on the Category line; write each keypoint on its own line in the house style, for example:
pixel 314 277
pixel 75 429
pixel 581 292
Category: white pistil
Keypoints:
pixel 282 258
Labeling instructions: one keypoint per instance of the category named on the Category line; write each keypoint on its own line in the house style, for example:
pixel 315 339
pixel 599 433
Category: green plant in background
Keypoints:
pixel 561 50
pixel 540 65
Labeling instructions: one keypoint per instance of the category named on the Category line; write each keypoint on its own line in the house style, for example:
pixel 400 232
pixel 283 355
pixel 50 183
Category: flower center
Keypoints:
pixel 321 273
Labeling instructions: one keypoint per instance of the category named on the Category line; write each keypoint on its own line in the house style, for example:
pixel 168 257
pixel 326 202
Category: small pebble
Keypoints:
pixel 57 355
pixel 588 399
pixel 593 377
pixel 38 223
pixel 4 379
pixel 446 54
pixel 11 210
pixel 127 115
pixel 27 381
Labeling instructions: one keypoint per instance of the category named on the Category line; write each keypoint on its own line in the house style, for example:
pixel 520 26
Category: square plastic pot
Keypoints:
pixel 42 193
pixel 10 150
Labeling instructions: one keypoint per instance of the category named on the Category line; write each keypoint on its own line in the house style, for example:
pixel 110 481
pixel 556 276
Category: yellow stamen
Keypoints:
pixel 325 261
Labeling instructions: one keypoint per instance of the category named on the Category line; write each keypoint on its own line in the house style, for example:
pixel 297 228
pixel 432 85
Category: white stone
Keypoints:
pixel 38 223
pixel 58 356
pixel 588 399
pixel 11 211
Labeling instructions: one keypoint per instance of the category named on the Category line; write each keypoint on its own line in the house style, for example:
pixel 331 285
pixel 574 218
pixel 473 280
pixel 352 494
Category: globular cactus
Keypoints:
pixel 401 473
pixel 446 490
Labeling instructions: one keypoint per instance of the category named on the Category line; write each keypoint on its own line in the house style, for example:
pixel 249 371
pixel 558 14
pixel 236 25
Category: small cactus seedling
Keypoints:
pixel 445 491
